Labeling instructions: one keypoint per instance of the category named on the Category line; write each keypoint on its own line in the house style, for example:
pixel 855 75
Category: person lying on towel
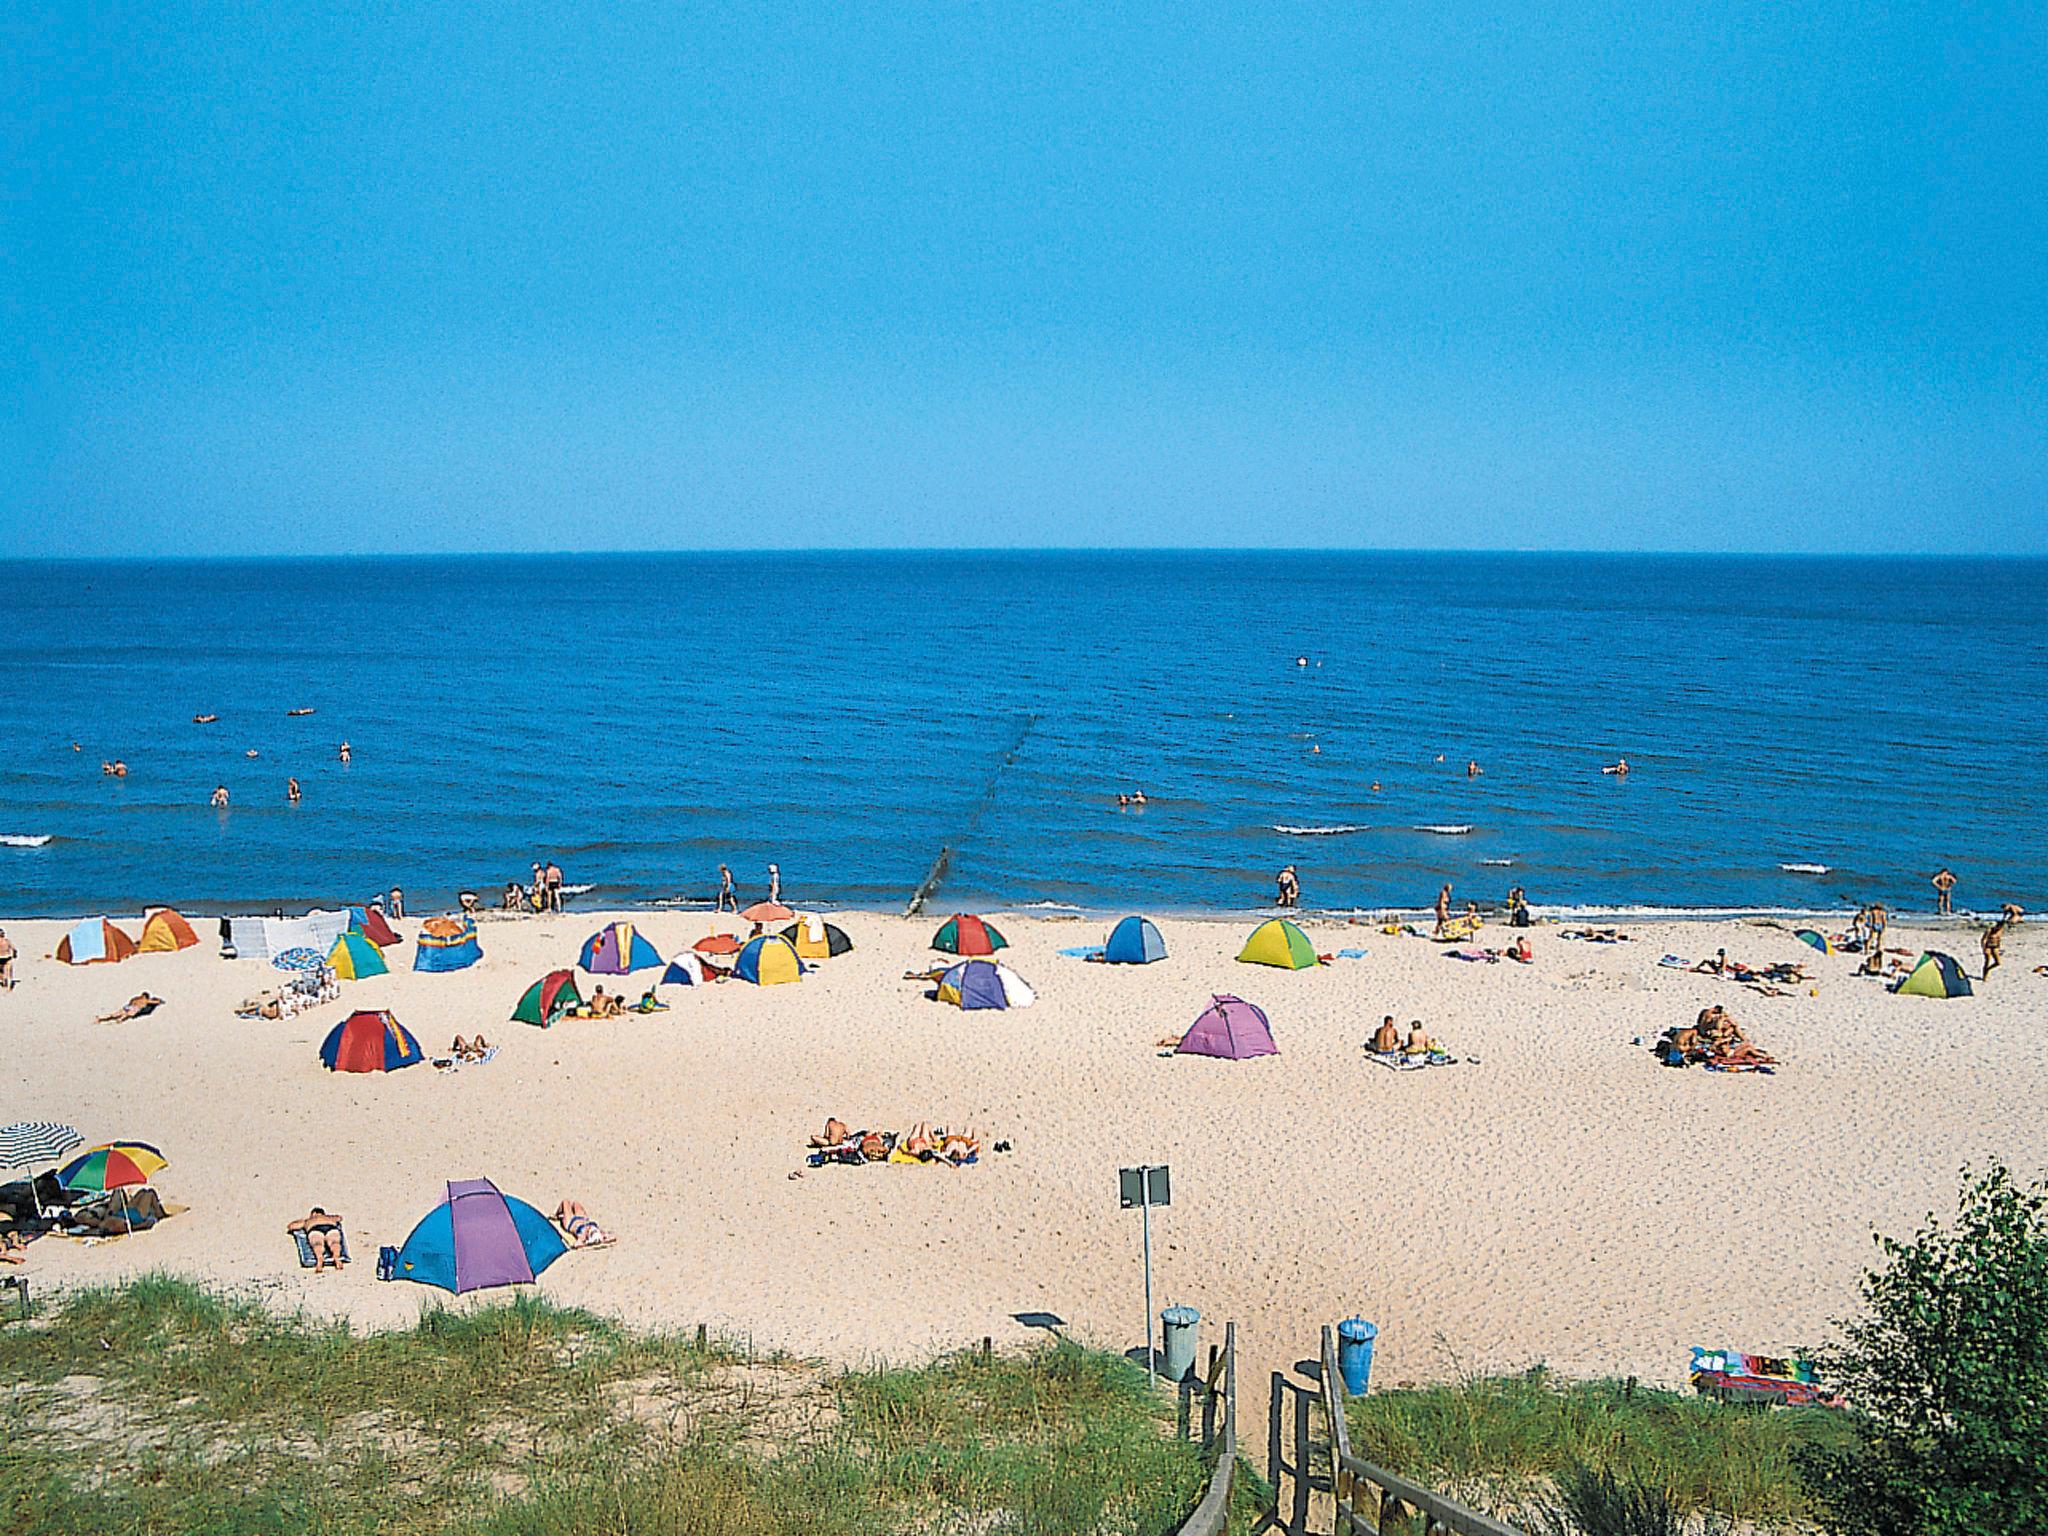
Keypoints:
pixel 582 1231
pixel 323 1236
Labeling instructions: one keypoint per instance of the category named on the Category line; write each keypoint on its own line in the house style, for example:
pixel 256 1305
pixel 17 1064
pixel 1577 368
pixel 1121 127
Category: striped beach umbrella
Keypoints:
pixel 114 1166
pixel 27 1143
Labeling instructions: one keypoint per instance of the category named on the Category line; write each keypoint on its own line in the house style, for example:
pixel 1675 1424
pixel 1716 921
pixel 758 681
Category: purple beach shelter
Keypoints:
pixel 477 1238
pixel 1231 1028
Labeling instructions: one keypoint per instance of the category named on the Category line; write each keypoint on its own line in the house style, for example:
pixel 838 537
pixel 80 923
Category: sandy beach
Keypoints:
pixel 1561 1197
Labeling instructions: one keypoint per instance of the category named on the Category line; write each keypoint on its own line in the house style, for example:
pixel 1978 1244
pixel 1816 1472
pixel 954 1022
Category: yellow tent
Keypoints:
pixel 164 931
pixel 1278 942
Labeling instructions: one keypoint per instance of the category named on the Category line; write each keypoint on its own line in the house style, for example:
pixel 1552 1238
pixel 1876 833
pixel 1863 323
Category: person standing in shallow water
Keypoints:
pixel 728 897
pixel 775 882
pixel 291 790
pixel 1287 888
pixel 220 797
pixel 1944 882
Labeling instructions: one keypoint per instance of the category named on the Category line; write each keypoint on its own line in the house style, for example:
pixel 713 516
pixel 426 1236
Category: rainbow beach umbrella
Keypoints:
pixel 113 1166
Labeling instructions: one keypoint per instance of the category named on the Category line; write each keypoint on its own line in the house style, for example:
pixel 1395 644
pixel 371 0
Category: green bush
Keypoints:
pixel 1947 1374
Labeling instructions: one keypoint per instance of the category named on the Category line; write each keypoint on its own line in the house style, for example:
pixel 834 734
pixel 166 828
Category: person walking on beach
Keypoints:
pixel 774 882
pixel 291 790
pixel 553 875
pixel 220 797
pixel 1874 922
pixel 1443 909
pixel 1994 937
pixel 1944 882
pixel 728 897
pixel 6 961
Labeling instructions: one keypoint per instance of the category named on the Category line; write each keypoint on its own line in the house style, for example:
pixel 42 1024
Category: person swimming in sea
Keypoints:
pixel 220 797
pixel 1619 768
pixel 343 752
pixel 1473 770
pixel 291 790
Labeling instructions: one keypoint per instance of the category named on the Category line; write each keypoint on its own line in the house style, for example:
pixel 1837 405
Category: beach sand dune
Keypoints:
pixel 1563 1198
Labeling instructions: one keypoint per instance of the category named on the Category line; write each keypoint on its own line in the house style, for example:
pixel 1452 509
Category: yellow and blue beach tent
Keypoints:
pixel 768 961
pixel 355 957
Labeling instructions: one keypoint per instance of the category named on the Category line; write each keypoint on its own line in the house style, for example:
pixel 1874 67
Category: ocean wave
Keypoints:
pixel 1804 869
pixel 23 839
pixel 1497 863
pixel 1458 830
pixel 1336 831
pixel 578 890
pixel 1047 906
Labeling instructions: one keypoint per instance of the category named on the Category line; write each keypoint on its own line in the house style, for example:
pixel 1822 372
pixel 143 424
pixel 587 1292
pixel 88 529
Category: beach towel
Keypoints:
pixel 1674 962
pixel 1350 954
pixel 1486 955
pixel 306 1259
pixel 1083 952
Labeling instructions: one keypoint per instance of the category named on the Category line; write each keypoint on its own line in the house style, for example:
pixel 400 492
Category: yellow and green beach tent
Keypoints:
pixel 1935 975
pixel 1278 942
pixel 355 957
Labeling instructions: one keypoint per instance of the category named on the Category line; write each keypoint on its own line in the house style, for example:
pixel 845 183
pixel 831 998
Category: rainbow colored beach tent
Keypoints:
pixel 768 961
pixel 477 1238
pixel 94 941
pixel 1935 975
pixel 965 934
pixel 1278 942
pixel 355 957
pixel 1230 1028
pixel 369 922
pixel 983 984
pixel 164 931
pixel 548 999
pixel 370 1041
pixel 815 939
pixel 616 950
pixel 1134 941
pixel 446 944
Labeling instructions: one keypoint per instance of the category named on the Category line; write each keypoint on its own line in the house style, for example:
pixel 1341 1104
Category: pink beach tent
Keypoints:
pixel 1231 1028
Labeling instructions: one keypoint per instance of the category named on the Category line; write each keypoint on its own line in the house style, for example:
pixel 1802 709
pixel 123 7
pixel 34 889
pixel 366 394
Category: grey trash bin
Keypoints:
pixel 1179 1328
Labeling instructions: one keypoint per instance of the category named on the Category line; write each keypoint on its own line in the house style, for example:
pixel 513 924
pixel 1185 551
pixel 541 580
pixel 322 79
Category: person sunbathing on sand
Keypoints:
pixel 470 1050
pixel 959 1148
pixel 606 1005
pixel 1520 950
pixel 835 1134
pixel 323 1236
pixel 576 1222
pixel 139 1006
pixel 1418 1042
pixel 1387 1038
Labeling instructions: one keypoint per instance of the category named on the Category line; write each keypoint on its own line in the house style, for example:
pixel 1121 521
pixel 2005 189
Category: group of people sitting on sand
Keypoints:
pixel 1713 1040
pixel 1416 1049
pixel 921 1144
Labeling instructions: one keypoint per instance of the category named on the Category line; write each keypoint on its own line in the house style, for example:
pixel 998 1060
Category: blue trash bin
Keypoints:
pixel 1354 1353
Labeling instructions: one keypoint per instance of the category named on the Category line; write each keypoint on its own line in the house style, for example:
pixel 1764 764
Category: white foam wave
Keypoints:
pixel 1804 869
pixel 1048 906
pixel 23 839
pixel 1498 863
pixel 1448 831
pixel 1337 831
pixel 577 890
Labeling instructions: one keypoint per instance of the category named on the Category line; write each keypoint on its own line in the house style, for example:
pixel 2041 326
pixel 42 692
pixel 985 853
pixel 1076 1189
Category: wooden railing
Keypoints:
pixel 1374 1502
pixel 1216 1390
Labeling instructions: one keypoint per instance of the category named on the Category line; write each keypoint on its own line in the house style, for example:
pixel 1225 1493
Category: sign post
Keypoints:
pixel 1146 1186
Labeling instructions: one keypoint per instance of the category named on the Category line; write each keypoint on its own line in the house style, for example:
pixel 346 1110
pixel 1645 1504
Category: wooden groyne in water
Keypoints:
pixel 944 861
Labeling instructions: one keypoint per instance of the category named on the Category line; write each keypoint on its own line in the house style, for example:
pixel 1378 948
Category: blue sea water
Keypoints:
pixel 643 717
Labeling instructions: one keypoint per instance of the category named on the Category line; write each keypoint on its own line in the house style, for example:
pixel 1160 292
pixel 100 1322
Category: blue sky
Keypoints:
pixel 311 279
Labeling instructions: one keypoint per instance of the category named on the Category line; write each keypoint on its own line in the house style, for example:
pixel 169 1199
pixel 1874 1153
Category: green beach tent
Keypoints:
pixel 1935 975
pixel 354 957
pixel 1278 942
pixel 548 999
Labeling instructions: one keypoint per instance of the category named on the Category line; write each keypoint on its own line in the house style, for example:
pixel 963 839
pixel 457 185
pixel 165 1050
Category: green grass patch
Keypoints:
pixel 1497 1443
pixel 159 1407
